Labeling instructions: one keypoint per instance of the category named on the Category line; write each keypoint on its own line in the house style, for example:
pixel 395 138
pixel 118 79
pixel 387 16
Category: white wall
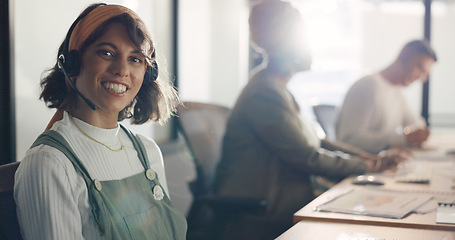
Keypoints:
pixel 213 47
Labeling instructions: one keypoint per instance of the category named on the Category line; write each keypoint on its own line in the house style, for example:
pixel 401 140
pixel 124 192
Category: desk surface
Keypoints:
pixel 441 140
pixel 439 143
pixel 418 221
pixel 345 231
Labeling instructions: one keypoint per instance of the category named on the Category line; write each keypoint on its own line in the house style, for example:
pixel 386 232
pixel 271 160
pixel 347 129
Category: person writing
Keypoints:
pixel 375 115
pixel 87 176
pixel 269 151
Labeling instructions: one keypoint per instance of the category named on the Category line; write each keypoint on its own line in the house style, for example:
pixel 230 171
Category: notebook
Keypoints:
pixel 445 213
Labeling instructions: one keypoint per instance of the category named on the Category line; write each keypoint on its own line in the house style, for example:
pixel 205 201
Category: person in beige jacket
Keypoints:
pixel 269 151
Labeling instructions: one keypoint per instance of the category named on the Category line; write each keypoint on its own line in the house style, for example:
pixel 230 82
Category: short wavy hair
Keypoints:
pixel 155 100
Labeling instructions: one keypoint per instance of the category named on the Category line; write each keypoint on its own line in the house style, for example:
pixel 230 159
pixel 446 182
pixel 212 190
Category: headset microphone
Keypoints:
pixel 60 63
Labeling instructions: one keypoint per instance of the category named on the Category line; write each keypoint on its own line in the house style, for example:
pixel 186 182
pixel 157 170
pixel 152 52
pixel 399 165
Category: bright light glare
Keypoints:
pixel 332 30
pixel 131 4
pixel 319 23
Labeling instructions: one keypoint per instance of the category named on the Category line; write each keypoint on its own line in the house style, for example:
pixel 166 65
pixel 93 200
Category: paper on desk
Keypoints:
pixel 376 202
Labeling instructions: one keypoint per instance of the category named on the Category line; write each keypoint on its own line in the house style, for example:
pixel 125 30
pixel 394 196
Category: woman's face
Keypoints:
pixel 112 70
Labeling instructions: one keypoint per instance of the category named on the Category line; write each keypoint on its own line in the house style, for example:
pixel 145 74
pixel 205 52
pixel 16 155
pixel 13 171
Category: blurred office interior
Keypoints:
pixel 203 45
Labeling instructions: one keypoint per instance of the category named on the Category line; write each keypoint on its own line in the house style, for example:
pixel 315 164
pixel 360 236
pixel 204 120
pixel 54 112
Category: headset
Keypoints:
pixel 69 62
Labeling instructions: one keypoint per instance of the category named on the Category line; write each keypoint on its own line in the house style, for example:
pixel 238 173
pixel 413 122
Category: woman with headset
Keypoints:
pixel 87 176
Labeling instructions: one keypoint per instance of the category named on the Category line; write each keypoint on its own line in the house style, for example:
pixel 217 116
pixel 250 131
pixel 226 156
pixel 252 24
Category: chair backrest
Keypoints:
pixel 9 227
pixel 203 126
pixel 327 116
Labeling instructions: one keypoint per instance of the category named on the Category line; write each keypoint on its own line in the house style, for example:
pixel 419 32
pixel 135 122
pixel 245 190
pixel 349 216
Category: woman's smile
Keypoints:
pixel 115 87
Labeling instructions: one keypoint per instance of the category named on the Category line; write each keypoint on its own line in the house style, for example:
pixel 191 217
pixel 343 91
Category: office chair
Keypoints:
pixel 9 227
pixel 202 126
pixel 327 116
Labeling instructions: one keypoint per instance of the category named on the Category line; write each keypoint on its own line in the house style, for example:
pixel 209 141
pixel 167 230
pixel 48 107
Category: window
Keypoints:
pixel 351 38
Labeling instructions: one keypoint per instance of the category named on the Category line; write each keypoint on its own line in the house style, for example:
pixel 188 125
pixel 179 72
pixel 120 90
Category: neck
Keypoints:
pixel 281 75
pixel 393 73
pixel 98 118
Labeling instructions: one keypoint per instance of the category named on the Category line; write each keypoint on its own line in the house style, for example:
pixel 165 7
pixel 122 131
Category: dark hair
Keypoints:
pixel 155 100
pixel 422 47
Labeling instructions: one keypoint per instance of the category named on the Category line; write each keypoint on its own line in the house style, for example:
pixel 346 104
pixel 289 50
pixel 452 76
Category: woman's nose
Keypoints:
pixel 120 68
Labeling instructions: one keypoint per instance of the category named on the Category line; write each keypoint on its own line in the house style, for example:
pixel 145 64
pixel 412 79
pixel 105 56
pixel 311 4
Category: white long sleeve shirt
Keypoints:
pixel 51 197
pixel 374 114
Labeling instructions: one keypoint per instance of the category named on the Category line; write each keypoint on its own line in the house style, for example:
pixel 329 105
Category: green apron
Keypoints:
pixel 132 208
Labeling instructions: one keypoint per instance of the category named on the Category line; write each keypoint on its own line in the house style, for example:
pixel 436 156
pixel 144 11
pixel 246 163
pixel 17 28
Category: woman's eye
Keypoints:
pixel 136 59
pixel 106 53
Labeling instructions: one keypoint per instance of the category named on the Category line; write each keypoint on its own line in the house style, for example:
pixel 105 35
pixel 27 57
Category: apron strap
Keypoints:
pixel 150 174
pixel 139 146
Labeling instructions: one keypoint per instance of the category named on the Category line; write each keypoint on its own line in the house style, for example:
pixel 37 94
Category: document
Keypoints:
pixel 376 202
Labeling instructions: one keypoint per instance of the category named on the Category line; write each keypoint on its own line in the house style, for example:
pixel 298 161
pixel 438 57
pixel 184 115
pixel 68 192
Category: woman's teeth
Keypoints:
pixel 118 88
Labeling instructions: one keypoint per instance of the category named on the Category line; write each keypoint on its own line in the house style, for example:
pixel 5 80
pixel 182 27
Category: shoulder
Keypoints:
pixel 368 81
pixel 263 89
pixel 46 158
pixel 43 164
pixel 367 85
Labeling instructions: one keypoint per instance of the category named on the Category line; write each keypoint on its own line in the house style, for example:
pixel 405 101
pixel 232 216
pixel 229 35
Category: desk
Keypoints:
pixel 442 140
pixel 344 231
pixel 418 221
pixel 311 224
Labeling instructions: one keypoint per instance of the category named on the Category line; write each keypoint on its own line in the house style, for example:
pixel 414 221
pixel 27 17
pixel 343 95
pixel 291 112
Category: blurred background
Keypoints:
pixel 203 46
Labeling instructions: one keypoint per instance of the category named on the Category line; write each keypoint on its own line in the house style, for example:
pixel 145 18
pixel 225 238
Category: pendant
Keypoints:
pixel 158 193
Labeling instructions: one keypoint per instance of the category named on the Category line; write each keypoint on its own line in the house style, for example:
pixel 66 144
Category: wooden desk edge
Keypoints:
pixel 444 227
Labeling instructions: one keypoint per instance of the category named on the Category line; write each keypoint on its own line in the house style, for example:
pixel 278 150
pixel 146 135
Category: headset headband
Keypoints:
pixel 92 20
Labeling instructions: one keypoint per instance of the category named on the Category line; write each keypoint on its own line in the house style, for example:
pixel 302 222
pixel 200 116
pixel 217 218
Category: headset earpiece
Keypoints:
pixel 71 61
pixel 151 73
